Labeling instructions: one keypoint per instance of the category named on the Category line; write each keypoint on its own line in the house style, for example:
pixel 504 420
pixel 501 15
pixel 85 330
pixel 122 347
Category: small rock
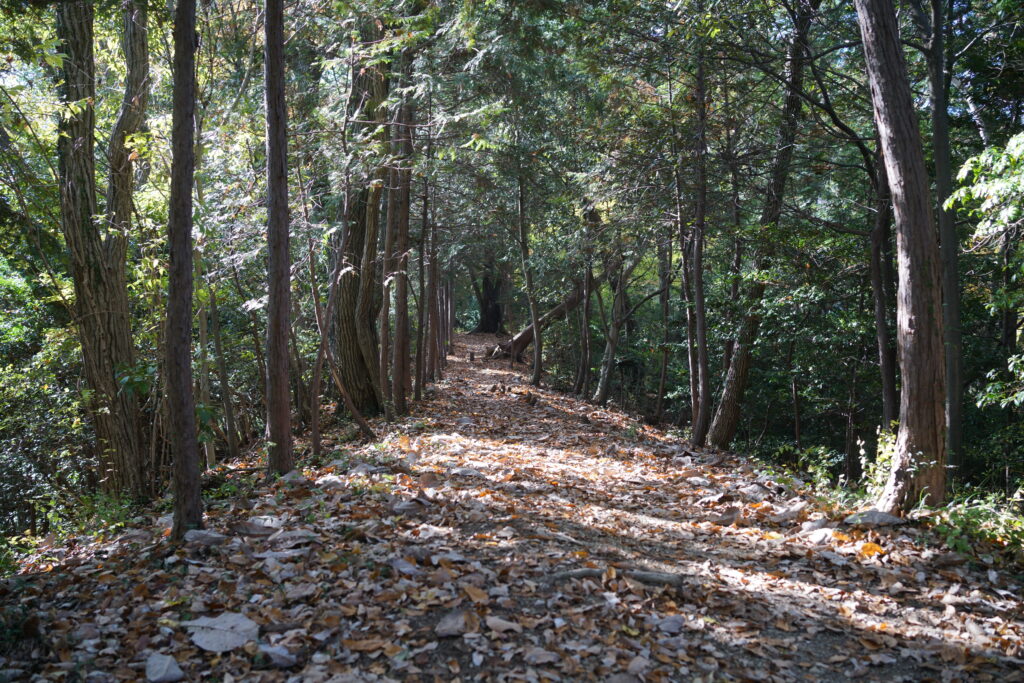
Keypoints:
pixel 727 517
pixel 363 469
pixel 755 492
pixel 672 624
pixel 279 656
pixel 873 518
pixel 467 472
pixel 205 537
pixel 538 655
pixel 451 625
pixel 698 481
pixel 819 536
pixel 331 482
pixel 294 477
pixel 639 665
pixel 163 669
pixel 814 525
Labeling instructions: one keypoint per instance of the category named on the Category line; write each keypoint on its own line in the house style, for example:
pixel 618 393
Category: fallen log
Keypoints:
pixel 517 344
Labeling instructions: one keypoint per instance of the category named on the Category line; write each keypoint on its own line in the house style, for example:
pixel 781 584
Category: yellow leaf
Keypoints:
pixel 870 550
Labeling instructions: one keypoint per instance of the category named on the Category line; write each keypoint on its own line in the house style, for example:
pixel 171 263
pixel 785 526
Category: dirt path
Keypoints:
pixel 503 533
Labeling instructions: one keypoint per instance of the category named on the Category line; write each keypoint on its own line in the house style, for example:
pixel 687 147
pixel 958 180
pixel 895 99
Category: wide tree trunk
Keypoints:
pixel 188 506
pixel 931 19
pixel 356 317
pixel 918 467
pixel 97 255
pixel 727 415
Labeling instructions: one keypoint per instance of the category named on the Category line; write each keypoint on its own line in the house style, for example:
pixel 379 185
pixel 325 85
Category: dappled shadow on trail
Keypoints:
pixel 503 533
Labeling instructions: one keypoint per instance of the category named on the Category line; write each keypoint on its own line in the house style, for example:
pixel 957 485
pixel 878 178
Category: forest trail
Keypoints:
pixel 508 533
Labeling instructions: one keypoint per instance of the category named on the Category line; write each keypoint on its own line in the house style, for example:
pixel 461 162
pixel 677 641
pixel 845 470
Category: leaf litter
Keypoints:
pixel 500 538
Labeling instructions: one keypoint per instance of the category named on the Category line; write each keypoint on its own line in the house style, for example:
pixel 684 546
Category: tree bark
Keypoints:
pixel 97 257
pixel 531 294
pixel 230 430
pixel 188 506
pixel 281 459
pixel 356 317
pixel 400 380
pixel 703 414
pixel 918 467
pixel 931 19
pixel 727 415
pixel 886 352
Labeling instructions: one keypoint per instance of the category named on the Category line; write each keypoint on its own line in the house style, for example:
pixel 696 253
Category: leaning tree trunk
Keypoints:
pixel 188 506
pixel 918 467
pixel 727 415
pixel 97 256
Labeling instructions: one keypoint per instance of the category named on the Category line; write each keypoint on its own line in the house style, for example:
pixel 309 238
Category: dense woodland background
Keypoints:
pixel 686 195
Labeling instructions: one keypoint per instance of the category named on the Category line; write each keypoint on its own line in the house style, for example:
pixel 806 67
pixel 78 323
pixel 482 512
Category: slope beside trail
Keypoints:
pixel 505 533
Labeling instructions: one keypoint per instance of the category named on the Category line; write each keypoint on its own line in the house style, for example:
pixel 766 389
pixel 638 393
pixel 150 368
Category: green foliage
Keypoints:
pixel 976 521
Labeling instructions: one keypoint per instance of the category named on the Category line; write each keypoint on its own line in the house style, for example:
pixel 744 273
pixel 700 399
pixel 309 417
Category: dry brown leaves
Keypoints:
pixel 492 538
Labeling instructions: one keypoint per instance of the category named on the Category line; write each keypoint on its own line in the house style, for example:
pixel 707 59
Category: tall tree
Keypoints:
pixel 930 17
pixel 279 271
pixel 727 415
pixel 188 505
pixel 97 252
pixel 918 466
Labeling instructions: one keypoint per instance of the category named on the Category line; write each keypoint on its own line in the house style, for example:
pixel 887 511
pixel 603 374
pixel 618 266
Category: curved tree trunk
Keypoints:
pixel 97 256
pixel 918 467
pixel 727 415
pixel 356 318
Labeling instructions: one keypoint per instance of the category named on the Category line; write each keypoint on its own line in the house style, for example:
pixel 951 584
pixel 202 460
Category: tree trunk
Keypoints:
pixel 703 412
pixel 582 385
pixel 97 260
pixel 727 415
pixel 488 295
pixel 531 295
pixel 949 242
pixel 918 468
pixel 356 318
pixel 209 454
pixel 400 383
pixel 886 352
pixel 665 280
pixel 188 506
pixel 524 337
pixel 230 430
pixel 619 315
pixel 281 459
